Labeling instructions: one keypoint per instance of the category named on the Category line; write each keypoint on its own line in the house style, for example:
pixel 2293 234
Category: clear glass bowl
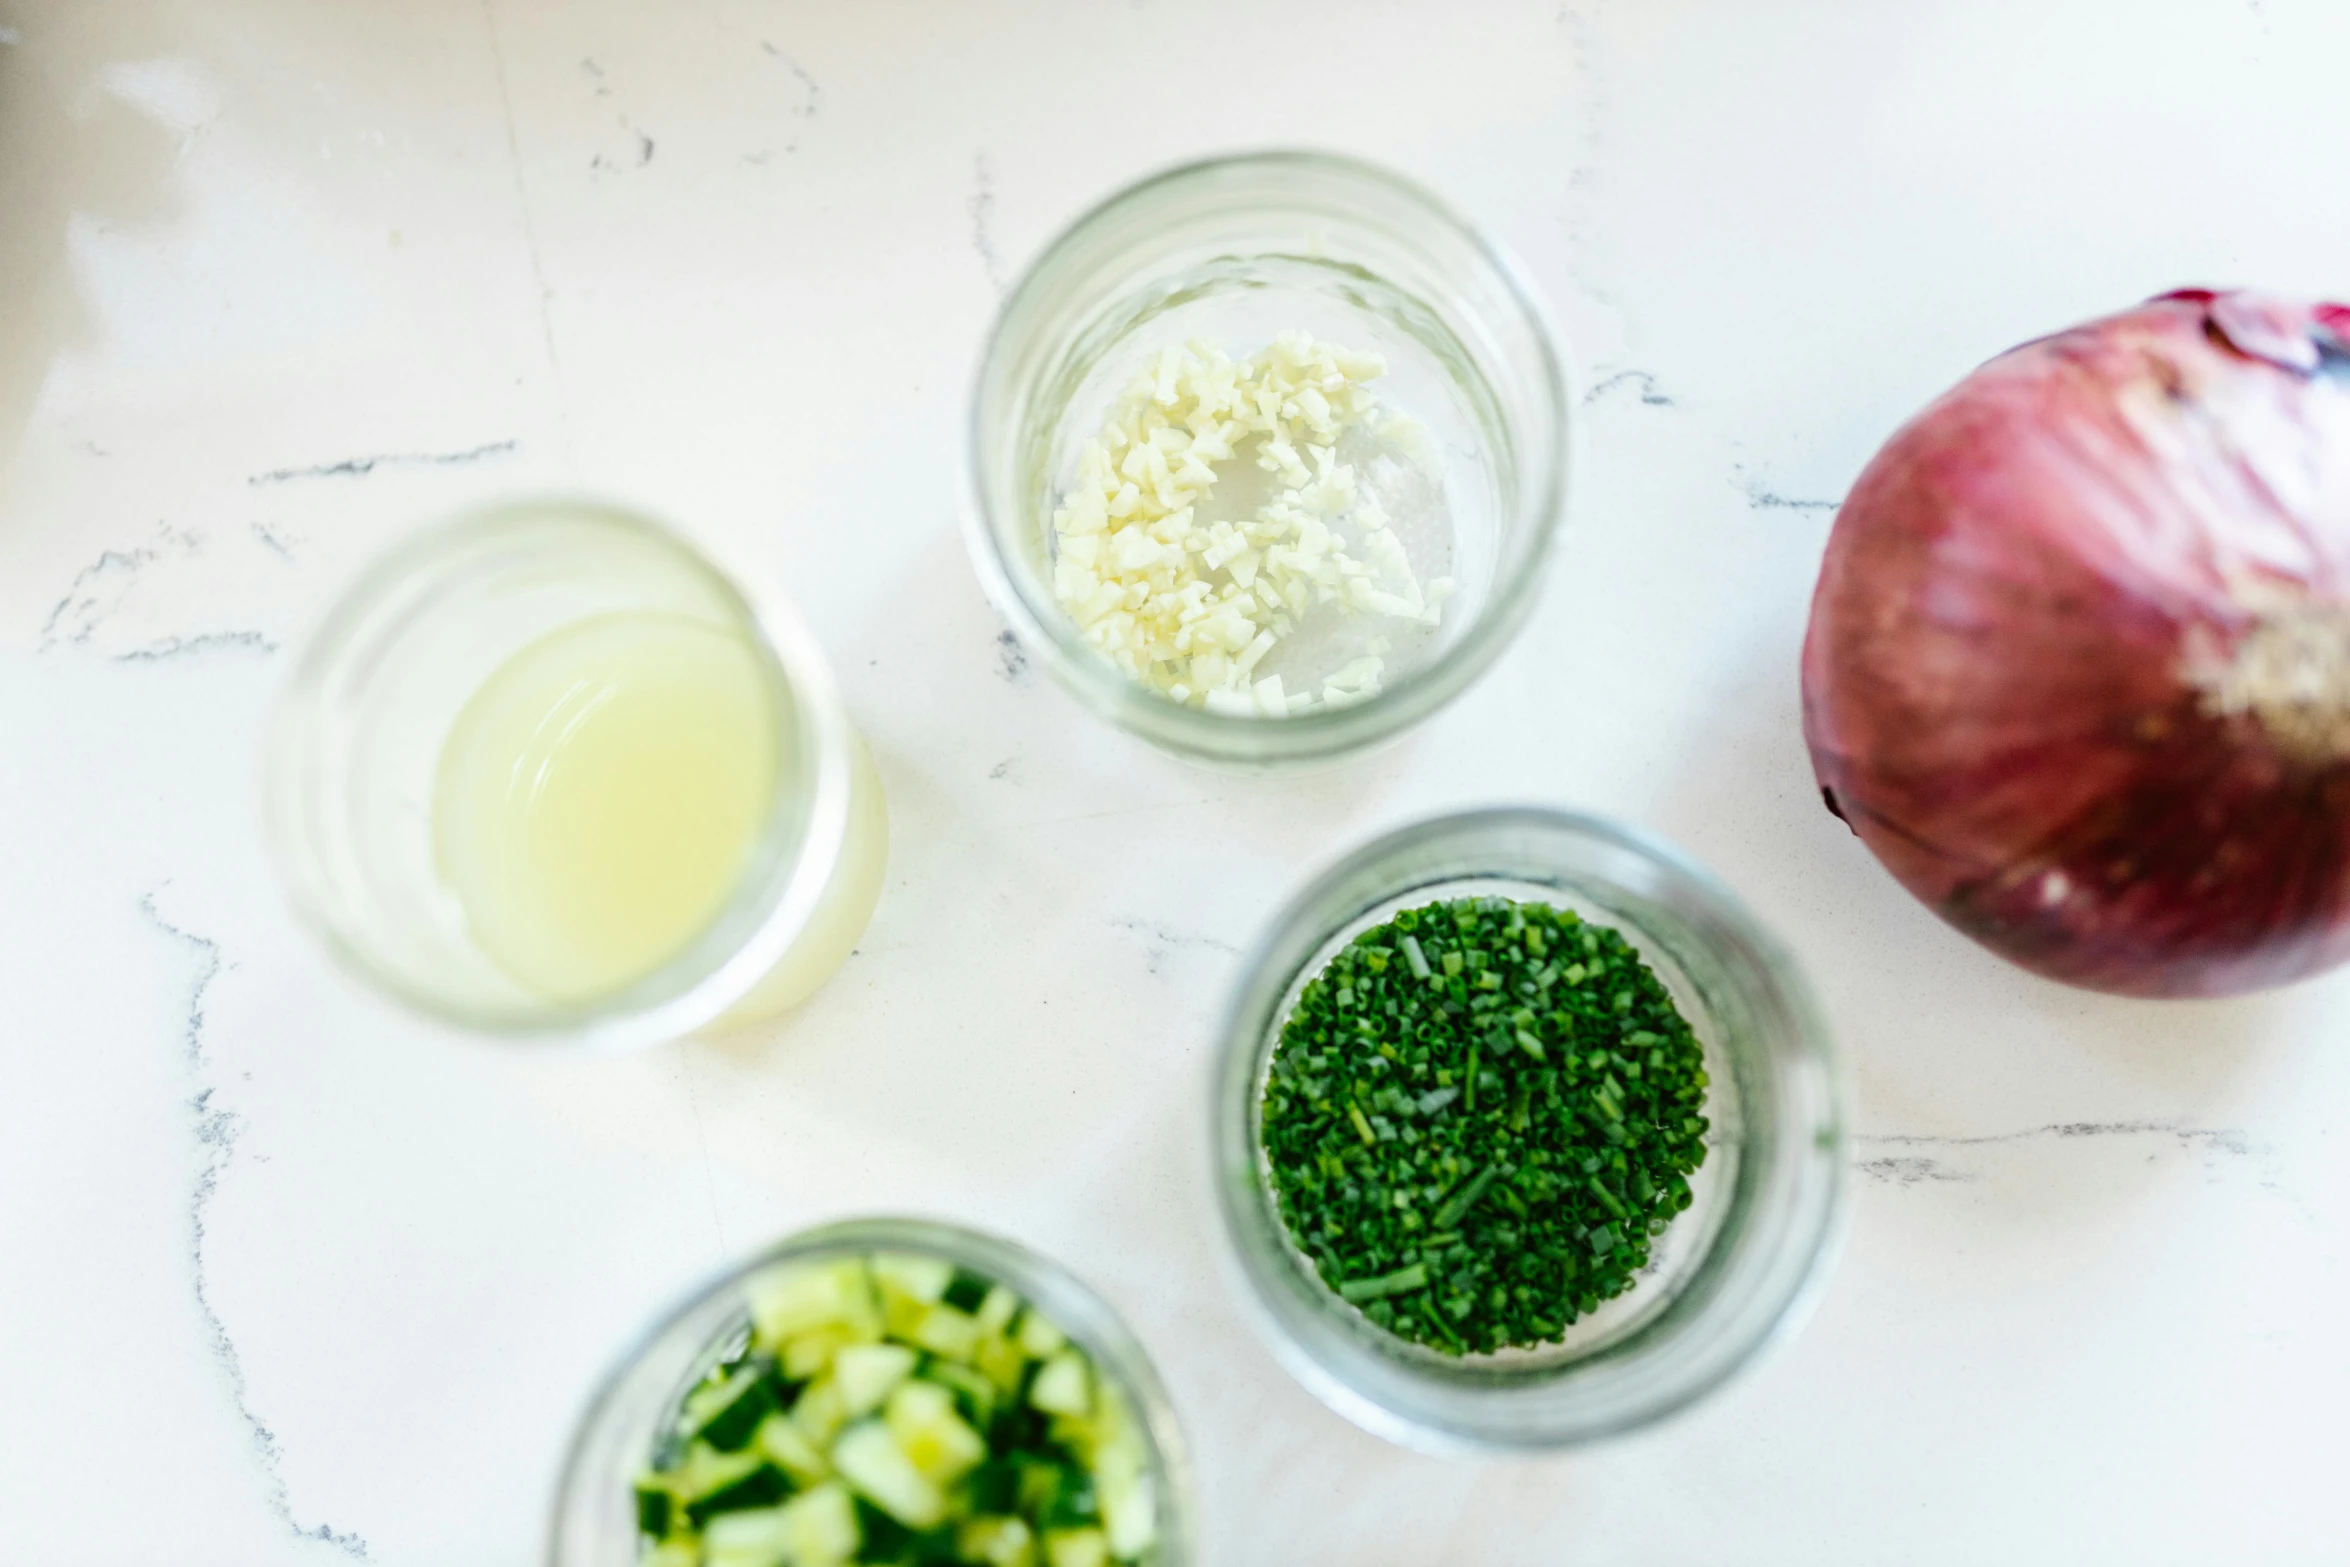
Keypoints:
pixel 1734 1273
pixel 1237 250
pixel 594 1521
pixel 356 745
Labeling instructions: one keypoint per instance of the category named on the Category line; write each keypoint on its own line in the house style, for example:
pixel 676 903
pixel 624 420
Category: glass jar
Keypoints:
pixel 1732 1274
pixel 1236 251
pixel 594 1522
pixel 356 749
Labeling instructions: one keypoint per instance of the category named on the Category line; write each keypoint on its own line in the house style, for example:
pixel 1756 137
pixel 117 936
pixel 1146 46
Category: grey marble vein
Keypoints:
pixel 361 467
pixel 810 93
pixel 2226 1139
pixel 81 596
pixel 217 1133
pixel 1640 381
pixel 1910 1170
pixel 1160 943
pixel 1010 657
pixel 981 207
pixel 1763 498
pixel 174 647
pixel 530 227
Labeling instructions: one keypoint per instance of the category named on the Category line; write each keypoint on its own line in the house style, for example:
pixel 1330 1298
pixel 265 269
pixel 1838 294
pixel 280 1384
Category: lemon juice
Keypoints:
pixel 601 795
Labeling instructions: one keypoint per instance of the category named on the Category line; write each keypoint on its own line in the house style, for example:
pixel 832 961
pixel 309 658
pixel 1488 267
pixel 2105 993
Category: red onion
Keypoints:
pixel 2078 670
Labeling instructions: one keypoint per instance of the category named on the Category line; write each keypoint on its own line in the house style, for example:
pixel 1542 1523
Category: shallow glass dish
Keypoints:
pixel 1236 251
pixel 1732 1275
pixel 594 1523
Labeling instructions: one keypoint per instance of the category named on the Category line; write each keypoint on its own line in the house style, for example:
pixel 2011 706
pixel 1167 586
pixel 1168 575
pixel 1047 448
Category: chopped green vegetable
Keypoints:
pixel 1477 1146
pixel 653 1505
pixel 897 1411
pixel 763 1485
pixel 726 1414
pixel 1401 1282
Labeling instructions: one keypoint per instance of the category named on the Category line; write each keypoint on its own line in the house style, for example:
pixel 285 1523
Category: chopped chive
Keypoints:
pixel 1401 1282
pixel 1415 957
pixel 1460 1202
pixel 1470 1198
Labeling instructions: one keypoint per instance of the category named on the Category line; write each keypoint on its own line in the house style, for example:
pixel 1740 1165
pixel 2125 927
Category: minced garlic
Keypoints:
pixel 1190 608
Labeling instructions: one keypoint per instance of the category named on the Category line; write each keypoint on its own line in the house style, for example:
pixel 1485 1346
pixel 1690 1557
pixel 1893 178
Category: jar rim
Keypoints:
pixel 1797 1193
pixel 1227 740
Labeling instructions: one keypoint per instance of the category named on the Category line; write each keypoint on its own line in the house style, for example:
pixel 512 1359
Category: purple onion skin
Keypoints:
pixel 2078 670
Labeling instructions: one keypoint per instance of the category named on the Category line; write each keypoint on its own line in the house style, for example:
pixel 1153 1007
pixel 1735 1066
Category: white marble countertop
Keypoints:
pixel 290 1277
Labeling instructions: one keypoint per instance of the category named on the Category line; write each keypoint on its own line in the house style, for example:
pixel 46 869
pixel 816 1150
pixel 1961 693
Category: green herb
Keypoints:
pixel 1401 1282
pixel 1476 1146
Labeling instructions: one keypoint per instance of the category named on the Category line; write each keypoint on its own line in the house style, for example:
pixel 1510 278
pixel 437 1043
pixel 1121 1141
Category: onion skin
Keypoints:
pixel 2078 669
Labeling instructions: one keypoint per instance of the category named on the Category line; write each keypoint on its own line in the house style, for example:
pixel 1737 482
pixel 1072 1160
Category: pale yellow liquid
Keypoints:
pixel 600 796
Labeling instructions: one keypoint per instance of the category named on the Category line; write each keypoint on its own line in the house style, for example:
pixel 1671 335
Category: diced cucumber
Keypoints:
pixel 1075 1503
pixel 866 1374
pixel 725 1414
pixel 704 1469
pixel 996 1312
pixel 1117 1451
pixel 898 1411
pixel 947 1332
pixel 1039 1339
pixel 1058 1495
pixel 919 1404
pixel 757 1537
pixel 820 1412
pixel 821 1527
pixel 998 1542
pixel 809 1355
pixel 1062 1387
pixel 965 1290
pixel 655 1505
pixel 868 1457
pixel 1023 1428
pixel 817 1529
pixel 975 1396
pixel 1130 1514
pixel 924 1277
pixel 933 1437
pixel 889 1543
pixel 912 1275
pixel 788 1447
pixel 1076 1548
pixel 994 1487
pixel 1002 1362
pixel 802 1297
pixel 763 1486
